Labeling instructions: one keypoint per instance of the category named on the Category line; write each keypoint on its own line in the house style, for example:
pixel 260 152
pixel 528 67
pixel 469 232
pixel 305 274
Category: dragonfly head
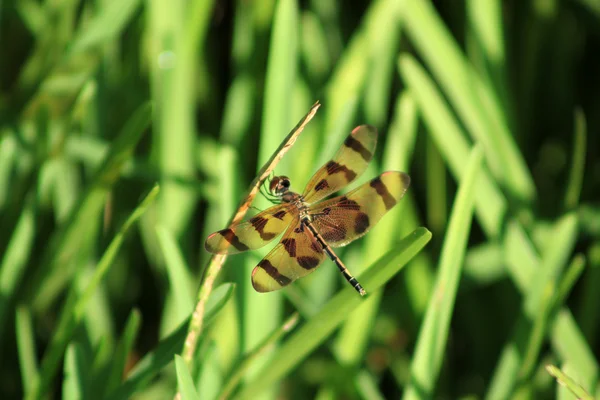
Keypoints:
pixel 279 185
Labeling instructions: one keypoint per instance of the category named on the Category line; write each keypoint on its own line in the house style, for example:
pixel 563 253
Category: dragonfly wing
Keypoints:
pixel 349 162
pixel 252 234
pixel 297 255
pixel 342 219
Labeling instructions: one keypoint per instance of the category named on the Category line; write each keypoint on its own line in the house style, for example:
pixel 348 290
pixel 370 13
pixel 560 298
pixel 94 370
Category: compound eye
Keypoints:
pixel 274 183
pixel 285 183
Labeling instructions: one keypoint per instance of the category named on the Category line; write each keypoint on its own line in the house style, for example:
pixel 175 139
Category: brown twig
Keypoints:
pixel 216 262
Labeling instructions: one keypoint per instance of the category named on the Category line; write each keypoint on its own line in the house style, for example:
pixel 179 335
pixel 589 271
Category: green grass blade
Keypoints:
pixel 513 364
pixel 383 33
pixel 340 129
pixel 26 348
pixel 454 147
pixel 474 101
pixel 237 375
pixel 151 364
pixel 573 191
pixel 77 373
pixel 162 354
pixel 436 188
pixel 588 318
pixel 123 351
pixel 346 81
pixel 431 343
pixel 173 83
pixel 314 47
pixel 570 345
pixel 185 383
pixel 486 25
pixel 74 311
pixel 210 378
pixel 281 75
pixel 569 278
pixel 105 25
pixel 217 300
pixel 338 309
pixel 483 264
pixel 367 386
pixel 178 272
pixel 9 152
pixel 565 380
pixel 15 258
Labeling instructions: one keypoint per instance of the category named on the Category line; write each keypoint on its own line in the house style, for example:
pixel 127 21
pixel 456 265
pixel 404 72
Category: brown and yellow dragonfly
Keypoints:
pixel 312 227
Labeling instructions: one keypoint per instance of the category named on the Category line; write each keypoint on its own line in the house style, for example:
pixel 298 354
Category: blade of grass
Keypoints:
pixel 178 272
pixel 418 276
pixel 568 280
pixel 436 188
pixel 15 258
pixel 162 354
pixel 173 85
pixel 185 384
pixel 454 147
pixel 339 130
pixel 76 372
pixel 571 346
pixel 483 264
pixel 74 310
pixel 237 375
pixel 337 310
pixel 9 152
pixel 431 343
pixel 347 80
pixel 26 348
pixel 108 22
pixel 486 26
pixel 474 101
pixel 588 316
pixel 575 181
pixel 123 352
pixel 383 33
pixel 367 386
pixel 565 380
pixel 280 78
pixel 314 47
pixel 520 352
pixel 209 379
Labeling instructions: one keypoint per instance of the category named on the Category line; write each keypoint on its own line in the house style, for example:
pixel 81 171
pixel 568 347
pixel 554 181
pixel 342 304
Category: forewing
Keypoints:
pixel 345 218
pixel 349 162
pixel 297 255
pixel 254 233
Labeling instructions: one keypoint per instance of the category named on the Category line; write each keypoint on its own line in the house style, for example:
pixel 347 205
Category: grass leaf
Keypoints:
pixel 184 380
pixel 431 343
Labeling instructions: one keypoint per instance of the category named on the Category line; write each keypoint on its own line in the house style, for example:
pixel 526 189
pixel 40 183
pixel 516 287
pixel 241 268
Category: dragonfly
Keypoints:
pixel 312 226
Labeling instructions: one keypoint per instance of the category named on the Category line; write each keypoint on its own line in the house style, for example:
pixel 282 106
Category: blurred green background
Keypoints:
pixel 131 130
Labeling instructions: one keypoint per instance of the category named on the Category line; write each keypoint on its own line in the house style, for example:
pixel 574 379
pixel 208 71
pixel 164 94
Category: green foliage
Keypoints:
pixel 490 106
